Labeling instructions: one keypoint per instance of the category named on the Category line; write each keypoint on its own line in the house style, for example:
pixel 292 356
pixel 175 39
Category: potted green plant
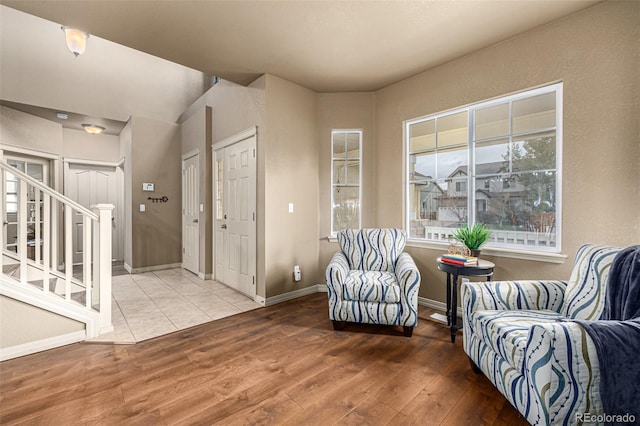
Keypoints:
pixel 472 236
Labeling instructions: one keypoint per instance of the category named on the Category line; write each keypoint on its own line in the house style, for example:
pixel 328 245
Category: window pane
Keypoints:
pixel 353 145
pixel 535 153
pixel 492 157
pixel 453 129
pixel 17 164
pixel 35 171
pixel 12 186
pixel 346 208
pixel 339 172
pixel 339 145
pixel 219 193
pixel 353 172
pixel 422 136
pixel 492 121
pixel 422 166
pixel 452 162
pixel 521 213
pixel 535 113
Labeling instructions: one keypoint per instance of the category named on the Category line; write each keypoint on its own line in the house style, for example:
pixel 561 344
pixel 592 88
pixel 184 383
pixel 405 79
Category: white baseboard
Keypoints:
pixel 322 288
pixel 151 268
pixel 436 305
pixel 293 294
pixel 41 345
pixel 204 276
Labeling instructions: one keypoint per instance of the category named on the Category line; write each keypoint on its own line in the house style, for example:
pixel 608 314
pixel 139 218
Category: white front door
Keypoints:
pixel 89 184
pixel 234 216
pixel 190 214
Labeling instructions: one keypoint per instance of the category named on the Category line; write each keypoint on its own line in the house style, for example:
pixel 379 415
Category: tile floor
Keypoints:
pixel 155 303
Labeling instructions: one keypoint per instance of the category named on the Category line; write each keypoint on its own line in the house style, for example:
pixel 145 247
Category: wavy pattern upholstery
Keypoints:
pixel 520 334
pixel 371 280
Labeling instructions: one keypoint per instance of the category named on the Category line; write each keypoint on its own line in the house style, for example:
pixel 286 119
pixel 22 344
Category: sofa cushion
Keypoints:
pixel 372 286
pixel 507 332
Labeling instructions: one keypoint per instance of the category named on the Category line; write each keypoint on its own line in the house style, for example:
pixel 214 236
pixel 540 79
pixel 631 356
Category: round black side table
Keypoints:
pixel 484 268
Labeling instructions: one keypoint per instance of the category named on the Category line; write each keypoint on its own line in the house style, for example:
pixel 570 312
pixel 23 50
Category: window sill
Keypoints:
pixel 498 252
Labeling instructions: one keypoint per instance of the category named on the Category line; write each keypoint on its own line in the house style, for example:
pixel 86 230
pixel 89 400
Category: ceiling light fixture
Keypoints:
pixel 76 40
pixel 94 129
pixel 62 116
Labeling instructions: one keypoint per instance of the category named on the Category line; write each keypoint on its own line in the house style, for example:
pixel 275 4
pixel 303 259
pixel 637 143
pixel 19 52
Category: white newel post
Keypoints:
pixel 103 264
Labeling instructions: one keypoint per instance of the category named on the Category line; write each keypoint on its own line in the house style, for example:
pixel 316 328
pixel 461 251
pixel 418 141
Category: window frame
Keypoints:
pixel 520 251
pixel 332 186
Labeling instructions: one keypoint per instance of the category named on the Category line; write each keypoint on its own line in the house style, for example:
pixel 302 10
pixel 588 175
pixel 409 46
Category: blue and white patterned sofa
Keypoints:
pixel 522 336
pixel 370 280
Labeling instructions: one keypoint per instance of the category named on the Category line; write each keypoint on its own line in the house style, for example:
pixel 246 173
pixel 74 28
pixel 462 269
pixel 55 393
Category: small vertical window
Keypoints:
pixel 346 155
pixel 219 189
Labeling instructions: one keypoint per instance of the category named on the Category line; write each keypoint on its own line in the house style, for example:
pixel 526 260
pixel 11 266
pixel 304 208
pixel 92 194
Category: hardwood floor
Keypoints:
pixel 278 365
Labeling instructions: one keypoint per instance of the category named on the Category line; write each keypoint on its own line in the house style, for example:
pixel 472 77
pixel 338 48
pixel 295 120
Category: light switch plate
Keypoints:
pixel 290 207
pixel 142 207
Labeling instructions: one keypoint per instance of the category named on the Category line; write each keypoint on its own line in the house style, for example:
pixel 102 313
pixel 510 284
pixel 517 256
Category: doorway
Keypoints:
pixel 234 215
pixel 190 212
pixel 93 182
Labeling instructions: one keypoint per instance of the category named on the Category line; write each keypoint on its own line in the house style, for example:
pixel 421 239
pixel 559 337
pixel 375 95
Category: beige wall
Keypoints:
pixel 125 152
pixel 196 135
pixel 156 234
pixel 344 111
pixel 291 175
pixel 29 132
pixel 15 314
pixel 595 54
pixel 232 109
pixel 79 144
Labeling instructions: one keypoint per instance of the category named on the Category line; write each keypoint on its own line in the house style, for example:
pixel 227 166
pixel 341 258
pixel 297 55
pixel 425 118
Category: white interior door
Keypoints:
pixel 190 214
pixel 235 224
pixel 89 184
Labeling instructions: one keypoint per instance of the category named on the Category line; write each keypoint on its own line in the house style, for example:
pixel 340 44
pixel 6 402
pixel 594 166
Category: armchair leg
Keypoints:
pixel 474 367
pixel 339 325
pixel 408 331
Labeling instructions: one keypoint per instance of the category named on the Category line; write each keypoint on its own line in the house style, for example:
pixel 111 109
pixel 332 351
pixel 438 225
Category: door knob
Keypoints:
pixel 223 226
pixel 195 220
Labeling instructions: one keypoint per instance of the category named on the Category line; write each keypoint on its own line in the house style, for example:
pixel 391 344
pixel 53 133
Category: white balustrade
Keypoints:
pixel 521 238
pixel 38 251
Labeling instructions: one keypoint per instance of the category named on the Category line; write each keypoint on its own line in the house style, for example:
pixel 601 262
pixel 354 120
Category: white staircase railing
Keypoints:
pixel 31 247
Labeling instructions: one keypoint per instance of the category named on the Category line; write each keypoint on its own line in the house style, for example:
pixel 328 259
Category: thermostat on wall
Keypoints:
pixel 147 187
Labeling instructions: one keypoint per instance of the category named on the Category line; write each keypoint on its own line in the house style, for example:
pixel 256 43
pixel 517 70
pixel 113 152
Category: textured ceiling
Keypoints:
pixel 327 46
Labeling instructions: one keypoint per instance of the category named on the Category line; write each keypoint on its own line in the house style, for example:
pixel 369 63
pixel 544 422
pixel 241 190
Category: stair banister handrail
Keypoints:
pixel 97 250
pixel 47 190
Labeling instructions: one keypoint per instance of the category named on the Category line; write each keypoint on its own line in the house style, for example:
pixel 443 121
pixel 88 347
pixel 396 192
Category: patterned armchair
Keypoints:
pixel 372 281
pixel 524 337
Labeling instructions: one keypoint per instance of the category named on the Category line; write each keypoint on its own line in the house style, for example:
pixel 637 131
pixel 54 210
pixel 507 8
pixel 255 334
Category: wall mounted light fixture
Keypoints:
pixel 94 129
pixel 76 40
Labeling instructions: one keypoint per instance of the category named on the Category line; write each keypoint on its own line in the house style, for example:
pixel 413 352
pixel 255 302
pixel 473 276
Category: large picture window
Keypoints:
pixel 496 162
pixel 345 179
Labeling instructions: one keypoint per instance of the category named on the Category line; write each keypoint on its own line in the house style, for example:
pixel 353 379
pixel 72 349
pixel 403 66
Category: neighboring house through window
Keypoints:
pixel 346 156
pixel 496 162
